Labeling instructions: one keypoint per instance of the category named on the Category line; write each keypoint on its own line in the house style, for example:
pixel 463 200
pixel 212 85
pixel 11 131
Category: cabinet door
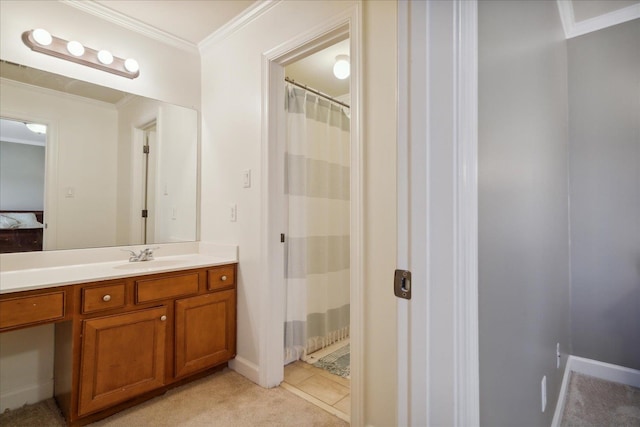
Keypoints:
pixel 205 331
pixel 122 357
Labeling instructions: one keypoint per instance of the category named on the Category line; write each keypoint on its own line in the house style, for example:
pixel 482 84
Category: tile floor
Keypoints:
pixel 330 392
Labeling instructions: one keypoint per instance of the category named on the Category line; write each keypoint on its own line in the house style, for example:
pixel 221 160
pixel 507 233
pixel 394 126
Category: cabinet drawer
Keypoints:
pixel 103 297
pixel 221 277
pixel 169 287
pixel 31 309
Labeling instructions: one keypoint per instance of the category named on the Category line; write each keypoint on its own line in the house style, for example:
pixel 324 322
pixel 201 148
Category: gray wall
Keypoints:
pixel 523 210
pixel 604 101
pixel 21 176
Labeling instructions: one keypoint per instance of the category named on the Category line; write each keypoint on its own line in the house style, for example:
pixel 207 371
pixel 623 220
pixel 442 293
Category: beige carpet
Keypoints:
pixel 222 399
pixel 592 402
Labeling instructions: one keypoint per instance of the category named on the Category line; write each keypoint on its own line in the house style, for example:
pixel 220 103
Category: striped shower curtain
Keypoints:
pixel 317 189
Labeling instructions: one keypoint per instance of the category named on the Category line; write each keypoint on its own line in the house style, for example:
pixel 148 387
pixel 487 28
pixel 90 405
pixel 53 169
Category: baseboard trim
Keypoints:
pixel 597 369
pixel 557 415
pixel 245 368
pixel 606 371
pixel 18 398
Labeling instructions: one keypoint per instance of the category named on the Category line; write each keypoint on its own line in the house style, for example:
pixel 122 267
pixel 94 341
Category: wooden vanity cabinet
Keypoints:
pixel 122 357
pixel 205 331
pixel 132 339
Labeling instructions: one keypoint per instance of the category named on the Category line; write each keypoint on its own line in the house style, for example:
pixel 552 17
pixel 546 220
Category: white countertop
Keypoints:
pixel 47 276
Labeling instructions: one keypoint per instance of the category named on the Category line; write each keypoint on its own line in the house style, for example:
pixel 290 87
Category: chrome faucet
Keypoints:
pixel 145 254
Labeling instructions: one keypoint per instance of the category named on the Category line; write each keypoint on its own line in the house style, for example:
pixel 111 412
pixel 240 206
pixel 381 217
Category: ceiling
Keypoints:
pixel 316 71
pixel 17 132
pixel 190 20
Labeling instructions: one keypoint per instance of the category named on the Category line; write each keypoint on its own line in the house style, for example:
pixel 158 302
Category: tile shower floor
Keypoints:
pixel 330 392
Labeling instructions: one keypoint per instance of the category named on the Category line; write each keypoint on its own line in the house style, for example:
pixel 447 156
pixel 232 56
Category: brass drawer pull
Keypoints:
pixel 106 298
pixel 223 278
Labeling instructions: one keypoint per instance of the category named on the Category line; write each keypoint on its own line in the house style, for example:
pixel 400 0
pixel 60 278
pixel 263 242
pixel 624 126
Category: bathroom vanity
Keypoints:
pixel 123 339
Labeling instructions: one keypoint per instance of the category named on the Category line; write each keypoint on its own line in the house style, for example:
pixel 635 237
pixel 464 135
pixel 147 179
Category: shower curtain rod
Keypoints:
pixel 315 92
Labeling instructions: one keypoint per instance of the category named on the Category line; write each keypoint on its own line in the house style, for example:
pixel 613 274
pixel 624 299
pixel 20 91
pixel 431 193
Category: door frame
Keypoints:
pixel 271 354
pixel 438 212
pixel 51 191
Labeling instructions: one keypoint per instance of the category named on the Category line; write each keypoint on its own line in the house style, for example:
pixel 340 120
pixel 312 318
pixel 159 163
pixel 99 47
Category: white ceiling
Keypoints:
pixel 316 71
pixel 190 20
pixel 17 132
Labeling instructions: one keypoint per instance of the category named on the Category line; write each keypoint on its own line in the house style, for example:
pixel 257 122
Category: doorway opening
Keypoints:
pixel 22 185
pixel 275 219
pixel 148 182
pixel 316 234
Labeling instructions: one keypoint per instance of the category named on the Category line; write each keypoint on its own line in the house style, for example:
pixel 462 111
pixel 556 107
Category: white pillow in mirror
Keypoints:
pixel 7 222
pixel 25 220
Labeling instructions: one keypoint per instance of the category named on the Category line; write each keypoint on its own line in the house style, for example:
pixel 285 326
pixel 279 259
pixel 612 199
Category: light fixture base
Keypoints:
pixel 58 48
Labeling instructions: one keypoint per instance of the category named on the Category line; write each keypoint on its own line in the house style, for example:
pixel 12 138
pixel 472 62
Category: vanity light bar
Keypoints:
pixel 75 52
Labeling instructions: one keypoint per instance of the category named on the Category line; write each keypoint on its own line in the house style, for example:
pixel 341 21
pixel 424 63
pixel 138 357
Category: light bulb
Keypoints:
pixel 105 57
pixel 42 37
pixel 342 68
pixel 36 128
pixel 75 48
pixel 131 65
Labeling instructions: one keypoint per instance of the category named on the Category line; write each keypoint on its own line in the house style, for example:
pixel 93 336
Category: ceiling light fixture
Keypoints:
pixel 36 128
pixel 342 67
pixel 40 40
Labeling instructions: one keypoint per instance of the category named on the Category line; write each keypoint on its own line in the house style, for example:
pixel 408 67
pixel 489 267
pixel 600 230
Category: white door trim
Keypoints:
pixel 437 213
pixel 271 371
pixel 467 386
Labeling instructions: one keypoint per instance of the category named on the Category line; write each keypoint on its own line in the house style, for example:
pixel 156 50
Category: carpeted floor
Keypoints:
pixel 338 362
pixel 592 402
pixel 222 399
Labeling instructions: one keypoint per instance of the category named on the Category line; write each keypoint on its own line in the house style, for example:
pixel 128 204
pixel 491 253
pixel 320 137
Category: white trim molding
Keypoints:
pixel 466 347
pixel 575 29
pixel 103 12
pixel 593 368
pixel 247 16
pixel 438 369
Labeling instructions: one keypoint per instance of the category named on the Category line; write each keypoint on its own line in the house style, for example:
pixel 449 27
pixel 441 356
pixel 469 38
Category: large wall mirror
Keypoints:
pixel 84 166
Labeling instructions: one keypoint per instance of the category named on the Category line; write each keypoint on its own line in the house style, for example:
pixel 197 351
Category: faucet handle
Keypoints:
pixel 130 251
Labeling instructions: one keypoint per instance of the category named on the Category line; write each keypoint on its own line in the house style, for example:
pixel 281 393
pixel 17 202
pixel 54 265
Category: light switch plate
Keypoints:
pixel 246 178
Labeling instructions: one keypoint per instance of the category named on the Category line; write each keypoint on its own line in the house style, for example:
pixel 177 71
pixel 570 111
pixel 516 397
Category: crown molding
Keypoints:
pixel 575 29
pixel 132 24
pixel 254 11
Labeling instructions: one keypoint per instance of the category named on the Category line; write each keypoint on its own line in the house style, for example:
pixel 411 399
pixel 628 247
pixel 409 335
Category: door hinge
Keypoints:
pixel 281 237
pixel 145 149
pixel 145 213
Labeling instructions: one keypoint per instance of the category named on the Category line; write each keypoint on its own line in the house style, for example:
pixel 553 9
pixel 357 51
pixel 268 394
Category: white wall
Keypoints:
pixel 21 176
pixel 26 366
pixel 523 218
pixel 175 185
pixel 604 130
pixel 231 143
pixel 161 67
pixel 85 135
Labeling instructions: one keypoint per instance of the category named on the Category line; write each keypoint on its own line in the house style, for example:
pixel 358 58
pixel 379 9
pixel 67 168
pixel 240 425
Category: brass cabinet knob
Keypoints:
pixel 163 318
pixel 223 278
pixel 106 298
